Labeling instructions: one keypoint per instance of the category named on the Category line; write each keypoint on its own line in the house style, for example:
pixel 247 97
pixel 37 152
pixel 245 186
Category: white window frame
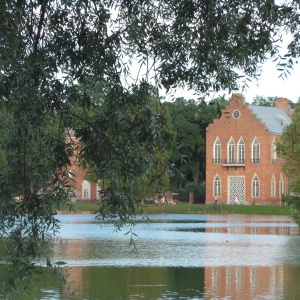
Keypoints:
pixel 231 151
pixel 86 190
pixel 281 186
pixel 217 151
pixel 255 186
pixel 273 187
pixel 217 186
pixel 255 155
pixel 241 151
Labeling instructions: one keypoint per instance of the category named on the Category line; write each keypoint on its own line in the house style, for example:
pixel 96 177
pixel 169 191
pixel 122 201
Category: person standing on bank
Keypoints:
pixel 236 200
pixel 216 199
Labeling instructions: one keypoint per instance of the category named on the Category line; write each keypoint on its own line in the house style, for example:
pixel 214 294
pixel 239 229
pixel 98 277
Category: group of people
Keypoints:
pixel 236 200
pixel 161 202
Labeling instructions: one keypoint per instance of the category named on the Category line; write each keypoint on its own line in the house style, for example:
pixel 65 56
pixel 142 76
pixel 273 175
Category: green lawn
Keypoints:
pixel 186 208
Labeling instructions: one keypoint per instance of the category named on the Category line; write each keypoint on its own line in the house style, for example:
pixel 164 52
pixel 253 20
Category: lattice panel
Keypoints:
pixel 236 188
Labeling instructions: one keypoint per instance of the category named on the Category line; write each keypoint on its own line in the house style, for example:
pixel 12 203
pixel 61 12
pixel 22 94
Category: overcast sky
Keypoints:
pixel 270 85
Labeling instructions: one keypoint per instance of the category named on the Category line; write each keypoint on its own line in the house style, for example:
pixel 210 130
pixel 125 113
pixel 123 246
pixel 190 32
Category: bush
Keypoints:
pixel 197 189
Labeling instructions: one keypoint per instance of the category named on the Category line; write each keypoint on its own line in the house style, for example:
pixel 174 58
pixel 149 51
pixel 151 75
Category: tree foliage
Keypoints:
pixel 189 121
pixel 289 149
pixel 54 53
pixel 264 101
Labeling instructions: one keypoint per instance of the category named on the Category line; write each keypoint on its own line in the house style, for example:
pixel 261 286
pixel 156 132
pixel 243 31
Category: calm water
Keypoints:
pixel 179 257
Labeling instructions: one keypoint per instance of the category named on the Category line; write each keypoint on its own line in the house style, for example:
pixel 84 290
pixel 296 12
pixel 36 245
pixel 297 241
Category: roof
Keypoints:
pixel 274 118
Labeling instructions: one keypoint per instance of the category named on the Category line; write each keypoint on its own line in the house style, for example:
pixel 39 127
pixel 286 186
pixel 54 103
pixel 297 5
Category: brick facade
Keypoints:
pixel 241 164
pixel 84 190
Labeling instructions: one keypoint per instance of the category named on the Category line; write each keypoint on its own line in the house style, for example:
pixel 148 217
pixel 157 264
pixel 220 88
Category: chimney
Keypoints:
pixel 284 104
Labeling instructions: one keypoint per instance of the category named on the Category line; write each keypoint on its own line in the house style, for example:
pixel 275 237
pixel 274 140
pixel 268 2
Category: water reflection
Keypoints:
pixel 277 282
pixel 181 244
pixel 135 283
pixel 179 257
pixel 245 282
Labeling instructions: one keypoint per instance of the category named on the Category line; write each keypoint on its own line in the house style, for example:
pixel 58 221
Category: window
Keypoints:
pixel 236 114
pixel 273 187
pixel 217 152
pixel 241 151
pixel 281 186
pixel 73 194
pixel 86 189
pixel 255 151
pixel 217 186
pixel 72 173
pixel 273 151
pixel 231 146
pixel 255 186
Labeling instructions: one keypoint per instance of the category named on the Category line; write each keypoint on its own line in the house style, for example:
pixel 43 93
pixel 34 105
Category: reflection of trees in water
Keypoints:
pixel 149 283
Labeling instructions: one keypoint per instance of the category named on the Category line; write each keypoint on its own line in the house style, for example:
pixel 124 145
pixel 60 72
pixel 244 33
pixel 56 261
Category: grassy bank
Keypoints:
pixel 219 209
pixel 186 208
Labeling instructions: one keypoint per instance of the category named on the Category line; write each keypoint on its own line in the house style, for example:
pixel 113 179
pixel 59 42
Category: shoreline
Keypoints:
pixel 186 208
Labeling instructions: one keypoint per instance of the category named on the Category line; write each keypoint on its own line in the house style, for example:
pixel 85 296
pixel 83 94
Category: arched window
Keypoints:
pixel 73 194
pixel 273 151
pixel 72 173
pixel 281 186
pixel 86 189
pixel 255 186
pixel 241 151
pixel 98 189
pixel 217 152
pixel 231 146
pixel 273 187
pixel 255 151
pixel 217 186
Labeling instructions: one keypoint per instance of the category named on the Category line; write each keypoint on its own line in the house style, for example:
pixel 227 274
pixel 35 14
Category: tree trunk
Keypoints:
pixel 196 174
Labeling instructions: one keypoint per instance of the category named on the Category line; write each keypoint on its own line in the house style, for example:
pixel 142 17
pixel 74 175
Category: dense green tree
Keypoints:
pixel 263 101
pixel 189 121
pixel 147 178
pixel 52 53
pixel 289 149
pixel 217 104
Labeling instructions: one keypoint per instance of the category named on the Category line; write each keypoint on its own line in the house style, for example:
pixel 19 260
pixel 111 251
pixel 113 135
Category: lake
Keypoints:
pixel 188 256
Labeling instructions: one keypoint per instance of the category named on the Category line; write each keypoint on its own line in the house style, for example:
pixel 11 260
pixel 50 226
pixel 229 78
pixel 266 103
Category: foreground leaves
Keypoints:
pixel 90 66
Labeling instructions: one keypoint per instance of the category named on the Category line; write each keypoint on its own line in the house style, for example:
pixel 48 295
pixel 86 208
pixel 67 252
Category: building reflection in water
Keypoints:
pixel 244 226
pixel 74 249
pixel 247 282
pixel 235 282
pixel 219 280
pixel 241 282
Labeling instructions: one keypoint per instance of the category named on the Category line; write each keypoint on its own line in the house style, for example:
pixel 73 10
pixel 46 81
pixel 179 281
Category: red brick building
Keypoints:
pixel 242 165
pixel 84 190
